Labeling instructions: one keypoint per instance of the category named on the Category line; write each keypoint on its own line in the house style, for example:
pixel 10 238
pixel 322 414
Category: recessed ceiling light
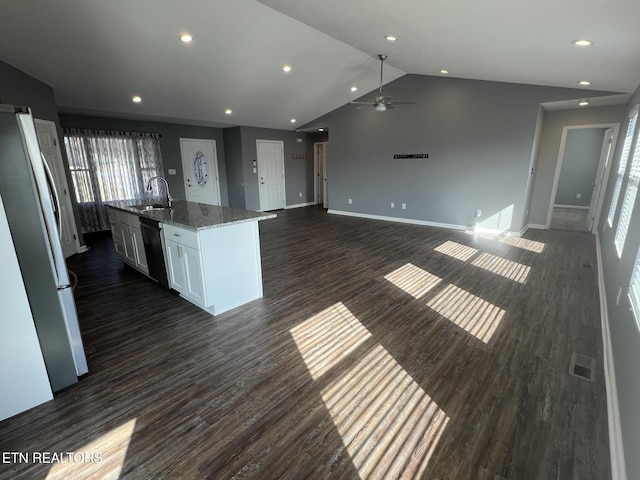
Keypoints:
pixel 354 89
pixel 286 68
pixel 321 129
pixel 443 71
pixel 582 43
pixel 390 38
pixel 186 38
pixel 293 120
pixel 136 99
pixel 584 82
pixel 583 103
pixel 228 111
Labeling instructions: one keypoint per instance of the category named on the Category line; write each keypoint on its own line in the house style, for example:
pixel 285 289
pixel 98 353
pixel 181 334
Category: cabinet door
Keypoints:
pixel 193 274
pixel 177 279
pixel 129 248
pixel 138 245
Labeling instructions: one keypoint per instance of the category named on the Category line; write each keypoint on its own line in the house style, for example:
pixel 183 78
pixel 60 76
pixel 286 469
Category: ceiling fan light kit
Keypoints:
pixel 381 102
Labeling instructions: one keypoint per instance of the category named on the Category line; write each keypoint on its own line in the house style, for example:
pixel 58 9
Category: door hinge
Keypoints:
pixel 75 237
pixel 55 142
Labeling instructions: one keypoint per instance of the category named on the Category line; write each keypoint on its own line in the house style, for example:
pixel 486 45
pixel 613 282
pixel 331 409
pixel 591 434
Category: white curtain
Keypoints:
pixel 112 168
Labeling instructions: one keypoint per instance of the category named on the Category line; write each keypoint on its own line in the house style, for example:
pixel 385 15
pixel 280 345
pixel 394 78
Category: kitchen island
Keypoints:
pixel 211 253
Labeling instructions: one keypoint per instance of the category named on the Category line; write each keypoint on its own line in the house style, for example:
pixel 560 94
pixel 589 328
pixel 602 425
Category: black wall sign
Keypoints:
pixel 411 155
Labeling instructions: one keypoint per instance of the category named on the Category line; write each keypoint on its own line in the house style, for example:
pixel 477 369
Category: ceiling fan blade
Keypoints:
pixel 404 103
pixel 363 103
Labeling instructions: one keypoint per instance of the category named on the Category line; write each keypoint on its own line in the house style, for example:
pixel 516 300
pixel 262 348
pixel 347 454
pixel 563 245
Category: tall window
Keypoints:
pixel 629 200
pixel 634 290
pixel 624 158
pixel 111 168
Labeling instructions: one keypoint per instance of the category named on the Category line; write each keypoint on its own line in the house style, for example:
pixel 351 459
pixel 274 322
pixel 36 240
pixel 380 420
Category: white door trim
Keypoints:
pixel 563 145
pixel 283 186
pixel 215 165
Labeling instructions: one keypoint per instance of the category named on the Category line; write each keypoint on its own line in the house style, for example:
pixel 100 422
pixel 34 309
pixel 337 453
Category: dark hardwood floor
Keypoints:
pixel 379 350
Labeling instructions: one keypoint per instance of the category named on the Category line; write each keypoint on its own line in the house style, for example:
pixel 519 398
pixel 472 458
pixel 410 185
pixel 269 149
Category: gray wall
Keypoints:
pixel 625 335
pixel 479 136
pixel 169 144
pixel 18 88
pixel 545 167
pixel 298 172
pixel 235 170
pixel 579 166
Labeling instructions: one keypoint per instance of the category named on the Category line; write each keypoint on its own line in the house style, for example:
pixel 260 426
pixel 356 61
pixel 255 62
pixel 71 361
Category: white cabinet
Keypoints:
pixel 185 271
pixel 127 239
pixel 215 268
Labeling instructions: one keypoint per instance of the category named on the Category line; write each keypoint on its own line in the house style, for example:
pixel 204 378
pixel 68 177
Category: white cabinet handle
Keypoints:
pixel 177 235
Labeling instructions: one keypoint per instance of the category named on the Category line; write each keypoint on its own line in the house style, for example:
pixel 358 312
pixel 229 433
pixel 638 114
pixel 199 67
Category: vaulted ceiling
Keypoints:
pixel 98 54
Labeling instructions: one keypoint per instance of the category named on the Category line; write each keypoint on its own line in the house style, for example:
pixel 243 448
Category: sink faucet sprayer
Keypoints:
pixel 169 199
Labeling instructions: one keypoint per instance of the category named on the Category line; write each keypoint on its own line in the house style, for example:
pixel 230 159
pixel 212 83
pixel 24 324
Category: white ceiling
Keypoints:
pixel 97 54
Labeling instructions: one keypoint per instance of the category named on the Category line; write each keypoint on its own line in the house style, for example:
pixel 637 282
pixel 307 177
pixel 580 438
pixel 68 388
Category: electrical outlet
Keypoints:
pixel 172 171
pixel 578 195
pixel 350 201
pixel 393 205
pixel 404 206
pixel 300 194
pixel 478 213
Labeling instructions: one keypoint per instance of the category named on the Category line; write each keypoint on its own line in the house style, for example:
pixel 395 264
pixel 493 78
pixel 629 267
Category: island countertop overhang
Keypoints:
pixel 198 216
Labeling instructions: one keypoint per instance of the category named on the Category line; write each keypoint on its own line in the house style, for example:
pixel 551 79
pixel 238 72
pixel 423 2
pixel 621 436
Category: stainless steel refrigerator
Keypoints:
pixel 31 205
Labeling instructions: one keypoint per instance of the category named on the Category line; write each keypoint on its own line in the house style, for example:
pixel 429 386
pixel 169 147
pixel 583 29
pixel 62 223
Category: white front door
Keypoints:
pixel 50 148
pixel 200 170
pixel 270 174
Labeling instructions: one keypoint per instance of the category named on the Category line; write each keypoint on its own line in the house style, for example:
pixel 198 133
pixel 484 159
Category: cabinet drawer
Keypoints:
pixel 182 236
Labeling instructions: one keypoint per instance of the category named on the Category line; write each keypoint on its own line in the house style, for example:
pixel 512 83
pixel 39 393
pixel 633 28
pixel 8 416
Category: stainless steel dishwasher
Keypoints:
pixel 152 239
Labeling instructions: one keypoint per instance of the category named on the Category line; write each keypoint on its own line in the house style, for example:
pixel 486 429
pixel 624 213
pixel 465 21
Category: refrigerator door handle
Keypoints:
pixel 54 194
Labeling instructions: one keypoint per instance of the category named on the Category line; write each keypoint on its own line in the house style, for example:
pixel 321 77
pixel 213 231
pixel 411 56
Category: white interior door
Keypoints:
pixel 270 174
pixel 50 148
pixel 200 170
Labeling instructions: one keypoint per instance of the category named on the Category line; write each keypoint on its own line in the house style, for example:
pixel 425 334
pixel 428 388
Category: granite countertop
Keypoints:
pixel 198 216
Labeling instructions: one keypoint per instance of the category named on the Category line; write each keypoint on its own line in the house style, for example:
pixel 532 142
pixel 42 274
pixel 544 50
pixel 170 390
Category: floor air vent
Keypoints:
pixel 582 367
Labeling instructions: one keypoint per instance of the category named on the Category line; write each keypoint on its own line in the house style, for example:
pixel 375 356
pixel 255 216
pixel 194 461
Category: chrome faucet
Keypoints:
pixel 169 199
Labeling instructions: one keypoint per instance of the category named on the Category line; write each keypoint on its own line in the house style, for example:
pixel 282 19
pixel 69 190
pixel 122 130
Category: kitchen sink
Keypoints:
pixel 150 207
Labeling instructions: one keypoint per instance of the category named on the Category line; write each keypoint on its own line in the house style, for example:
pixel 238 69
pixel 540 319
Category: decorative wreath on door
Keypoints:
pixel 200 169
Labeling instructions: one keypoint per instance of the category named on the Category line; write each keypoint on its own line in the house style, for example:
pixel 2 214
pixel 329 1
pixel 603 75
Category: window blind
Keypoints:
pixel 624 158
pixel 634 290
pixel 629 201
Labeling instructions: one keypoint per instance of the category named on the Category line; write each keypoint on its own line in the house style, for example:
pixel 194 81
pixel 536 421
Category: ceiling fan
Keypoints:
pixel 381 102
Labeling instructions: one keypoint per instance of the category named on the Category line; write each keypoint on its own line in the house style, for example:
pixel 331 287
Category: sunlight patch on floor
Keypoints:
pixel 328 337
pixel 389 426
pixel 111 448
pixel 413 280
pixel 503 267
pixel 475 315
pixel 456 250
pixel 523 243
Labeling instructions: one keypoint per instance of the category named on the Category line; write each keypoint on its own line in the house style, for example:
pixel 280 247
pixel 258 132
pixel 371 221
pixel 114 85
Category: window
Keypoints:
pixel 629 200
pixel 111 168
pixel 634 290
pixel 633 117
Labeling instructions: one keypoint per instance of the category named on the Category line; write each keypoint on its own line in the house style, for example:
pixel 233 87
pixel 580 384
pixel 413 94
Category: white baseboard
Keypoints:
pixel 538 226
pixel 82 249
pixel 577 207
pixel 400 220
pixel 616 448
pixel 298 205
